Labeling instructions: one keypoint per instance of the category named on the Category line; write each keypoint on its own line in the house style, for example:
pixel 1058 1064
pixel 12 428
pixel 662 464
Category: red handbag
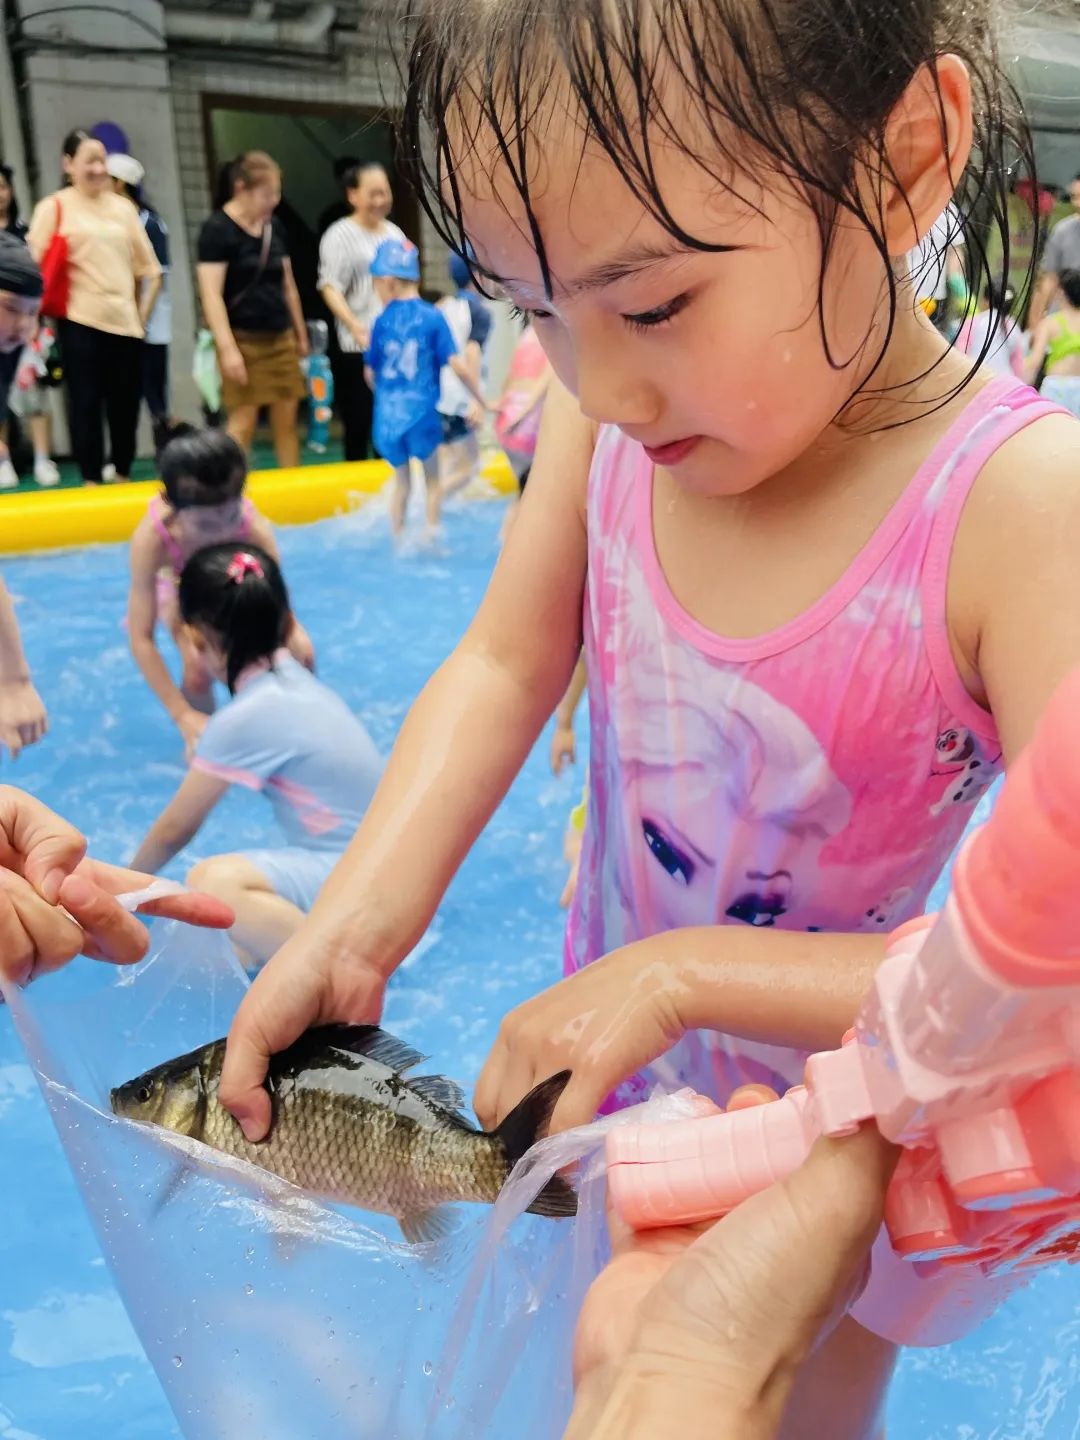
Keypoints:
pixel 55 272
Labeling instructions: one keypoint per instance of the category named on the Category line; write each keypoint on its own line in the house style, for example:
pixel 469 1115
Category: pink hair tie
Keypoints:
pixel 244 563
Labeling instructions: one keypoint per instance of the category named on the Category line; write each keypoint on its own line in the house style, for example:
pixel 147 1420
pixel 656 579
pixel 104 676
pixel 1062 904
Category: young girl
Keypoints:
pixel 283 732
pixel 202 476
pixel 521 405
pixel 1057 344
pixel 993 336
pixel 822 566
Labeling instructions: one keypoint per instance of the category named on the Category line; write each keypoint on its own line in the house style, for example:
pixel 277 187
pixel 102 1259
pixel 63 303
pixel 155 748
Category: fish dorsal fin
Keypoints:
pixel 438 1090
pixel 369 1041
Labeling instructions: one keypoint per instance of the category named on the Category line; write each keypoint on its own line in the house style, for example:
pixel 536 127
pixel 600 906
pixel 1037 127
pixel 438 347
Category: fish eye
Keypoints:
pixel 143 1094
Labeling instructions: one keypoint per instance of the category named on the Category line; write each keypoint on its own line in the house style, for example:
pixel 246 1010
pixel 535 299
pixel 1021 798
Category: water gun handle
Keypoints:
pixel 679 1173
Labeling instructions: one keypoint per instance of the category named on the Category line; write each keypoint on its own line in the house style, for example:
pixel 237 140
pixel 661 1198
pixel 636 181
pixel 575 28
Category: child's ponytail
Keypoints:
pixel 237 592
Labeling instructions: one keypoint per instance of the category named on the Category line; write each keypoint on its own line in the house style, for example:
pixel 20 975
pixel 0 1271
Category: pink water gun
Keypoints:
pixel 966 1052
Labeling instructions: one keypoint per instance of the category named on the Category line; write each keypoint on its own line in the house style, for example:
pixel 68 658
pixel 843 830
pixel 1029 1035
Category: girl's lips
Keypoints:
pixel 672 454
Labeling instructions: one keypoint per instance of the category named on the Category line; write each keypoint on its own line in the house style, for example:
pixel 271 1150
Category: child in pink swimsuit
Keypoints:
pixel 823 568
pixel 203 503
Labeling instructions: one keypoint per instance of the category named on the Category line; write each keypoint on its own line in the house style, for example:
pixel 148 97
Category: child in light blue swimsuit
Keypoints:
pixel 283 733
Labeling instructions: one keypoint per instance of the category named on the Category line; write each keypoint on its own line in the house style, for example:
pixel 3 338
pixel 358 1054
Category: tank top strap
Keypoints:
pixel 172 549
pixel 1012 406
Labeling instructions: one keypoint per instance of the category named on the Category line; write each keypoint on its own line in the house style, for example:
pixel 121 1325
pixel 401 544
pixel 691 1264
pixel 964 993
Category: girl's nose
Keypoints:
pixel 614 390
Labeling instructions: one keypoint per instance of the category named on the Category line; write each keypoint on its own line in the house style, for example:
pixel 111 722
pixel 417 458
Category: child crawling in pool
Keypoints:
pixel 202 474
pixel 283 732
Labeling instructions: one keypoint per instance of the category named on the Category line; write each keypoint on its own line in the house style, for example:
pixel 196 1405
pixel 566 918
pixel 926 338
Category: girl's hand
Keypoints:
pixel 22 716
pixel 191 725
pixel 312 980
pixel 232 365
pixel 43 866
pixel 699 1330
pixel 602 1024
pixel 563 748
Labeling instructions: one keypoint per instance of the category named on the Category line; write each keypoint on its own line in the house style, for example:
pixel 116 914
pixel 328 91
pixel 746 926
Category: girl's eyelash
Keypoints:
pixel 530 315
pixel 651 319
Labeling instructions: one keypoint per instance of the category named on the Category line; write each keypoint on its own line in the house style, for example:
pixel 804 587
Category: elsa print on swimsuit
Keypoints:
pixel 728 796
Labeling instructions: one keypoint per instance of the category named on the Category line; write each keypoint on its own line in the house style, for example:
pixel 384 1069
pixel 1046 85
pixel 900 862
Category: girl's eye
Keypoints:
pixel 679 866
pixel 529 315
pixel 650 319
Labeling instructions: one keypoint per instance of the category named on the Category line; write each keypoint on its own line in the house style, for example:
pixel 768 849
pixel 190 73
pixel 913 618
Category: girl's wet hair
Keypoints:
pixel 200 467
pixel 804 88
pixel 236 591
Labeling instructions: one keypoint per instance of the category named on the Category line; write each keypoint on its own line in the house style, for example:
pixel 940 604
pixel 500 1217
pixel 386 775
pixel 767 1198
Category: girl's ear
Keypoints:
pixel 927 147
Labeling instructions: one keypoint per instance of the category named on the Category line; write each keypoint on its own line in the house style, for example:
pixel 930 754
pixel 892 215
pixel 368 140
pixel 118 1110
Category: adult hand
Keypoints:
pixel 698 1331
pixel 43 866
pixel 232 366
pixel 314 979
pixel 23 720
pixel 303 344
pixel 359 331
pixel 475 415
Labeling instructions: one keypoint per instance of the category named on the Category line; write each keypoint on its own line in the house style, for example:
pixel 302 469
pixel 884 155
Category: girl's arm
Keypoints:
pixel 296 310
pixel 146 560
pixel 563 742
pixel 460 747
pixel 180 821
pixel 22 715
pixel 464 371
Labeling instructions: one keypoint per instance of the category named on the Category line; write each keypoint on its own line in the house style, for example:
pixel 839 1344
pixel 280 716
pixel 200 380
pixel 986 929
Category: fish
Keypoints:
pixel 350 1125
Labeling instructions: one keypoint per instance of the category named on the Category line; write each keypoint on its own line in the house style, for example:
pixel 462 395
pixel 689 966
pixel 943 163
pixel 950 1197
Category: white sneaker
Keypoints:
pixel 46 472
pixel 108 473
pixel 9 476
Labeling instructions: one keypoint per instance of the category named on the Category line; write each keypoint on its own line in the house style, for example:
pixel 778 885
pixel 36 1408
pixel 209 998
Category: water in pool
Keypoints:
pixel 70 1363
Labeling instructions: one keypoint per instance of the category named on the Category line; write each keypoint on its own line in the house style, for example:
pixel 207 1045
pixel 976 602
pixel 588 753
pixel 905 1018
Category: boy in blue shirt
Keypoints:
pixel 410 343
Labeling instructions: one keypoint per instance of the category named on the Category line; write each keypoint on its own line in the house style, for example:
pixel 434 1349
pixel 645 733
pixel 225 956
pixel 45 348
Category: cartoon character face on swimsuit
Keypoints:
pixel 958 755
pixel 735 827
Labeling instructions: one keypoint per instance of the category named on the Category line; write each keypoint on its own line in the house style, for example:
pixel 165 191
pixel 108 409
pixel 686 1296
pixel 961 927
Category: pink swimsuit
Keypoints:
pixel 814 778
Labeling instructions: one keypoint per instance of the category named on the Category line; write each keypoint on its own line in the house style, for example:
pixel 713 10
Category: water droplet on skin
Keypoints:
pixel 178 1360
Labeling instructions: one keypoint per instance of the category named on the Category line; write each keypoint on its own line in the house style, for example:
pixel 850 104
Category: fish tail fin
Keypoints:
pixel 520 1131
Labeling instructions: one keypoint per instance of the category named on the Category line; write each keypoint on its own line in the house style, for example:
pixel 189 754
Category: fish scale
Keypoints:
pixel 350 1125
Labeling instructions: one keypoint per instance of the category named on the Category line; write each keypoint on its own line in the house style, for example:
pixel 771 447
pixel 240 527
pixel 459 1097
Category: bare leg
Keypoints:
pixel 241 426
pixel 840 1391
pixel 264 921
pixel 459 463
pixel 286 436
pixel 40 435
pixel 399 500
pixel 434 493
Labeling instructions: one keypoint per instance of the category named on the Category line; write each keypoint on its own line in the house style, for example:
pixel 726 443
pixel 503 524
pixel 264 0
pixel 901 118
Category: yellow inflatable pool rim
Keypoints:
pixel 102 515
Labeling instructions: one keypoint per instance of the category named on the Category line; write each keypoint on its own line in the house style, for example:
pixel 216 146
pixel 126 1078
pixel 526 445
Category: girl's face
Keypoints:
pixel 86 168
pixel 18 320
pixel 714 361
pixel 206 646
pixel 202 525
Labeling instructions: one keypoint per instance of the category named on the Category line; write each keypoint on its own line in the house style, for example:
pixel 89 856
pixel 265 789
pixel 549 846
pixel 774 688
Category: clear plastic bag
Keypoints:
pixel 267 1313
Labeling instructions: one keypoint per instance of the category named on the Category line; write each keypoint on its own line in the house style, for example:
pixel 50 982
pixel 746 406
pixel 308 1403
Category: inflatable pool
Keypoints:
pixel 57 519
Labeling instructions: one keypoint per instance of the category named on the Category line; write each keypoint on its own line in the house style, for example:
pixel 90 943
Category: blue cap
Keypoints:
pixel 460 274
pixel 397 259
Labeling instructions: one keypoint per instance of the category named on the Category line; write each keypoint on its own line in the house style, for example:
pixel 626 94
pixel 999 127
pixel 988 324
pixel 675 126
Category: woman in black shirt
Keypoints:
pixel 252 307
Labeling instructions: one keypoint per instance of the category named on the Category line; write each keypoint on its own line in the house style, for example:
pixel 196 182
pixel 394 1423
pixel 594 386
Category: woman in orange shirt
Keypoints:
pixel 101 336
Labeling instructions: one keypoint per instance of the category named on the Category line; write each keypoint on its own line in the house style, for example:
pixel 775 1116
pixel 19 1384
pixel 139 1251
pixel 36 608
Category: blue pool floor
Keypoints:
pixel 71 1367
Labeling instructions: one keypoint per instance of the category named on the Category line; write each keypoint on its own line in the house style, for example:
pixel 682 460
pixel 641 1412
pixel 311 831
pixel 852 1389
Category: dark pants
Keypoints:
pixel 155 380
pixel 103 374
pixel 354 403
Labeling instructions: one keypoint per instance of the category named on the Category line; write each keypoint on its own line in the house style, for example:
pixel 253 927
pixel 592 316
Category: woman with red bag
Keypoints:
pixel 95 256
